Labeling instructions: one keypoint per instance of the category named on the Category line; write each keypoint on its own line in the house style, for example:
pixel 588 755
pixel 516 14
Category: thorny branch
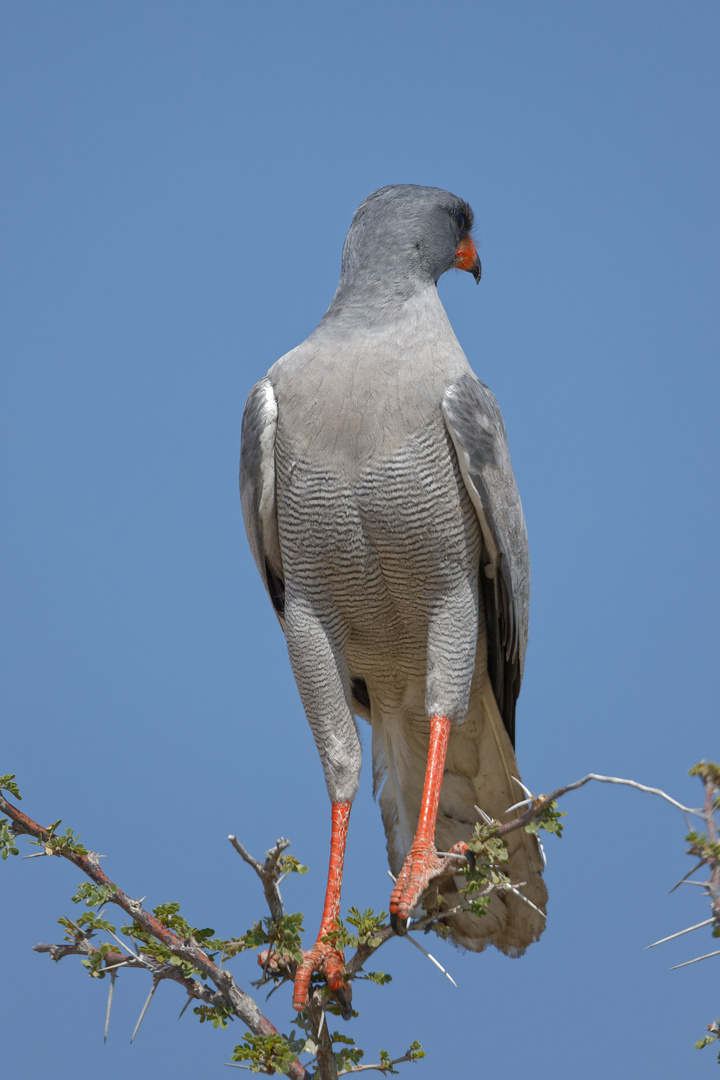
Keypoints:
pixel 242 1005
pixel 541 803
pixel 228 996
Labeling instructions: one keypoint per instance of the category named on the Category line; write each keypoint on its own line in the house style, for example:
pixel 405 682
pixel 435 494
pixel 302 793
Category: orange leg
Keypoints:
pixel 323 957
pixel 422 863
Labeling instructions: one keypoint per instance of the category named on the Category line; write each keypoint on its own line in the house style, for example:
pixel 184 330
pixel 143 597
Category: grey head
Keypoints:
pixel 402 238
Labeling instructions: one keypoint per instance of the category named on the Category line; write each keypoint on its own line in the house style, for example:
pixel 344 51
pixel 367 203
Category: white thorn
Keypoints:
pixel 432 958
pixel 680 933
pixel 484 816
pixel 517 805
pixel 527 790
pixel 109 1004
pixel 517 892
pixel 542 852
pixel 185 1006
pixel 392 877
pixel 114 967
pixel 144 1010
pixel 135 956
pixel 696 960
pixel 322 1021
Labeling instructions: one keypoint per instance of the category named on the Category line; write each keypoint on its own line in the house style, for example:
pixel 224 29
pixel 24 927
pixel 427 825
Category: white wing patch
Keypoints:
pixel 266 508
pixel 257 477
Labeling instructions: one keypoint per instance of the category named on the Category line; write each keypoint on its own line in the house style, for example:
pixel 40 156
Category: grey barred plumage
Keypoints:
pixel 382 512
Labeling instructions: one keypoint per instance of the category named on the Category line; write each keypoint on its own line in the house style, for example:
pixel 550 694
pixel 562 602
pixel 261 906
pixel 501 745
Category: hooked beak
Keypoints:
pixel 467 258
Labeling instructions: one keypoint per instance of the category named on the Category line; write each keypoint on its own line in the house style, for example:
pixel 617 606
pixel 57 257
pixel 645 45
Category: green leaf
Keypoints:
pixel 378 977
pixel 268 1053
pixel 7 784
pixel 219 1015
pixel 348 1054
pixel 288 864
pixel 708 771
pixel 549 820
pixel 93 895
pixel 8 844
pixel 284 935
pixel 714 1035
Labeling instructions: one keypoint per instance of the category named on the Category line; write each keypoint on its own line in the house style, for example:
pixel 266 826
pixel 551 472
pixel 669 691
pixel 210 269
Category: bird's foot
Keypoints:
pixel 328 962
pixel 422 868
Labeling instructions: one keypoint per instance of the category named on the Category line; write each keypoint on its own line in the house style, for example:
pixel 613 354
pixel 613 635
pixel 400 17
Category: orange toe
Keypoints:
pixel 421 868
pixel 329 963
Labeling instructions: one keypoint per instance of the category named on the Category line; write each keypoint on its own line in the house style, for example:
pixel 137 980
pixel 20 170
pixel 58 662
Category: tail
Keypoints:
pixel 479 771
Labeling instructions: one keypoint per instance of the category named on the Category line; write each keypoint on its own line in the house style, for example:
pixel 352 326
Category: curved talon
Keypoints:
pixel 329 963
pixel 344 998
pixel 399 925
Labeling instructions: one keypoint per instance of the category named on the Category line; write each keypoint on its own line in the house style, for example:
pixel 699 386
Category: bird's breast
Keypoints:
pixel 378 545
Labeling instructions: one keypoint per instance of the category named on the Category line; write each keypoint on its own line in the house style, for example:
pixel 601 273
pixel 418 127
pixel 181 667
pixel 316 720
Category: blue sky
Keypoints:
pixel 177 180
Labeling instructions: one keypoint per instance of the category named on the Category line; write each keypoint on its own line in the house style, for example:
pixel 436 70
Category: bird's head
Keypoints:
pixel 406 235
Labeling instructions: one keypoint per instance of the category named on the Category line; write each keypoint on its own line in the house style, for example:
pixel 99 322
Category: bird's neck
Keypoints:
pixel 379 304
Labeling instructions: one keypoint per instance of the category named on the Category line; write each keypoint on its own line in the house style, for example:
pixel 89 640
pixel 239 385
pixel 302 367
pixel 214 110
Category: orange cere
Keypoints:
pixel 466 255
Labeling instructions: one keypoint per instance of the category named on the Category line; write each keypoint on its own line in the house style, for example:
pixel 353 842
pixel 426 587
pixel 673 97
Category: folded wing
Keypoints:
pixel 257 489
pixel 476 428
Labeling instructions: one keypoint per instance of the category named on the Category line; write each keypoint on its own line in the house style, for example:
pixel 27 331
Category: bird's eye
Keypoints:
pixel 459 220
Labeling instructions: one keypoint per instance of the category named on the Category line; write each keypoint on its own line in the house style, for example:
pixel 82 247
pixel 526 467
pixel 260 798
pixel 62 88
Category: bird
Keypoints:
pixel 383 515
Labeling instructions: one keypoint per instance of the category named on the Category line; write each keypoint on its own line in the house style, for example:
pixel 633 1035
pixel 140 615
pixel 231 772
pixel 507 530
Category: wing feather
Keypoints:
pixel 476 428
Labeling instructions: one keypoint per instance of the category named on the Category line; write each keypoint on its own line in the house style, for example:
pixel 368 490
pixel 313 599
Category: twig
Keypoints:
pixel 379 1067
pixel 543 801
pixel 268 872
